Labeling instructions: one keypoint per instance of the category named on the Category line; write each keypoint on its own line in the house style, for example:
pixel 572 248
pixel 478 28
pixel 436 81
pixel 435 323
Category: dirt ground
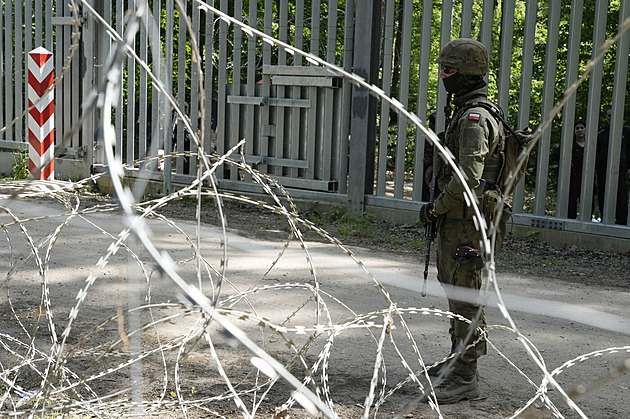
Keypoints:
pixel 569 305
pixel 518 256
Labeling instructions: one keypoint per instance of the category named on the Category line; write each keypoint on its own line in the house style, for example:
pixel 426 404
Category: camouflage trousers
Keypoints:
pixel 459 265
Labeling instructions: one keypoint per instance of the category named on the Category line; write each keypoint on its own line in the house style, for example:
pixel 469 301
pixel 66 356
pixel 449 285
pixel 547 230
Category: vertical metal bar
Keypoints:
pixel 364 106
pixel 157 116
pixel 319 147
pixel 3 135
pixel 505 60
pixel 39 22
pixel 311 140
pixel 19 72
pixel 143 117
pixel 48 26
pixel 331 43
pixel 466 23
pixel 614 179
pixel 209 87
pixel 348 65
pixel 63 47
pixel 283 12
pixel 527 68
pixel 296 120
pixel 88 83
pixel 99 54
pixel 168 109
pixel 592 113
pixel 132 152
pixel 423 89
pixel 383 137
pixel 251 133
pixel 194 91
pixel 222 141
pixel 8 65
pixel 551 58
pixel 28 46
pixel 265 111
pixel 330 136
pixel 181 91
pixel 119 123
pixel 568 114
pixel 445 37
pixel 75 76
pixel 405 60
pixel 281 91
pixel 61 97
pixel 235 109
pixel 315 26
pixel 487 17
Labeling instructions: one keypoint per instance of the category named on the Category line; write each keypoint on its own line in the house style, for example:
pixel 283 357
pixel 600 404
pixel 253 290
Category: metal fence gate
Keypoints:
pixel 293 122
pixel 304 124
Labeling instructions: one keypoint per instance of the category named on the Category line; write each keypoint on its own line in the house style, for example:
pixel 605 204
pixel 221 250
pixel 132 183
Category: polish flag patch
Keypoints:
pixel 474 116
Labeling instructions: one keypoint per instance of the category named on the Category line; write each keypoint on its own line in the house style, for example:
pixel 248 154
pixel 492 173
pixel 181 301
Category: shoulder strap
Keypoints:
pixel 496 112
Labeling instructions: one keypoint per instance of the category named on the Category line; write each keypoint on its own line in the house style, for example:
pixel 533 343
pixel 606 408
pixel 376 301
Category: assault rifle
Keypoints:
pixel 430 231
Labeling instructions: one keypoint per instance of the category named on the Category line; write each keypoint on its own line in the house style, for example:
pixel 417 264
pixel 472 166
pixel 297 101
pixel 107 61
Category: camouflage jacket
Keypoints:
pixel 467 137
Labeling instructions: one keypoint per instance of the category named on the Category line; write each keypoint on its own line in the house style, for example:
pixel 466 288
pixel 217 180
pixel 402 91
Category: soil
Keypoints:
pixel 590 359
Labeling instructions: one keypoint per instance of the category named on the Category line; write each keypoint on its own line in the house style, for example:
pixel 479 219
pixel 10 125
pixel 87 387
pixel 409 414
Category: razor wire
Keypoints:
pixel 50 397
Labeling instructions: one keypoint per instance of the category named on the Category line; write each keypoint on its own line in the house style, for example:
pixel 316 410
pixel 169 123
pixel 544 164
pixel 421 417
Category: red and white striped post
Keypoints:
pixel 41 120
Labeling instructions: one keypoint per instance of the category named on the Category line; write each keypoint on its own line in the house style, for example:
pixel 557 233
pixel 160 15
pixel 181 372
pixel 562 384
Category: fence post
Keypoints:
pixel 41 121
pixel 367 40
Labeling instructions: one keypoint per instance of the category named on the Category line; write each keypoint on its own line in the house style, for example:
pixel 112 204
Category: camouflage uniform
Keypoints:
pixel 468 138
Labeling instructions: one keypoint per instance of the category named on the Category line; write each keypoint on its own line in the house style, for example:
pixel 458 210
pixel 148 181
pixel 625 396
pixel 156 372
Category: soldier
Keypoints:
pixel 463 64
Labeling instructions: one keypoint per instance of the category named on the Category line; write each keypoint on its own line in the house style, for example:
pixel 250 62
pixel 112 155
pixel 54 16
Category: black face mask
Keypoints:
pixel 454 83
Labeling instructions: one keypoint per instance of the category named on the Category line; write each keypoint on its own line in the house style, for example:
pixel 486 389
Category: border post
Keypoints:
pixel 41 118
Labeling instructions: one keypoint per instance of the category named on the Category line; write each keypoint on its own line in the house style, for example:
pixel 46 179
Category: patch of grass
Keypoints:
pixel 190 201
pixel 357 226
pixel 518 261
pixel 319 215
pixel 548 262
pixel 418 244
pixel 20 165
pixel 532 235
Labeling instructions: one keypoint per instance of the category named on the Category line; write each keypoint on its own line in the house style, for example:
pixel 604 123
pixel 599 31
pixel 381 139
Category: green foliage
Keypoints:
pixel 318 215
pixel 20 165
pixel 518 260
pixel 347 225
pixel 532 235
pixel 191 201
pixel 418 244
pixel 547 262
pixel 357 226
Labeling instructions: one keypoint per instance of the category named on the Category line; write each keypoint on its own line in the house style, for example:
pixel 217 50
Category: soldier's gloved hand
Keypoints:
pixel 428 214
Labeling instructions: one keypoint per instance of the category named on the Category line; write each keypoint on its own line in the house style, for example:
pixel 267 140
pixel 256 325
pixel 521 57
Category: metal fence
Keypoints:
pixel 307 126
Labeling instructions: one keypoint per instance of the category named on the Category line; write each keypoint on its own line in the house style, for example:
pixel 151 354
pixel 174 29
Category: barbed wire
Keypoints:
pixel 49 361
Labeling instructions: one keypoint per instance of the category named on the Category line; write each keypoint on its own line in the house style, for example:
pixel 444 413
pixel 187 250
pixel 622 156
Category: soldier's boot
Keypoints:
pixel 456 388
pixel 444 367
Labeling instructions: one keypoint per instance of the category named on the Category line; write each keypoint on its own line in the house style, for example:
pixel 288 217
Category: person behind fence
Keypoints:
pixel 463 64
pixel 601 169
pixel 577 162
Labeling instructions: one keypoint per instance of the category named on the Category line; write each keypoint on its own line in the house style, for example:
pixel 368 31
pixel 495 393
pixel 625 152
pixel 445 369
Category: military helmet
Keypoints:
pixel 467 56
